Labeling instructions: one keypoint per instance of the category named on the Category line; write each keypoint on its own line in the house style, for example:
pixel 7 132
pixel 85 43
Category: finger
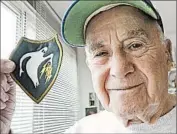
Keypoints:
pixel 11 83
pixel 5 118
pixel 7 66
pixel 12 91
pixel 3 105
pixel 4 96
pixel 9 78
pixel 4 84
pixel 10 106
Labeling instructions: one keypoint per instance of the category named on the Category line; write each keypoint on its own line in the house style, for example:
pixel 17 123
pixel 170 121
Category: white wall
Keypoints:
pixel 167 10
pixel 85 82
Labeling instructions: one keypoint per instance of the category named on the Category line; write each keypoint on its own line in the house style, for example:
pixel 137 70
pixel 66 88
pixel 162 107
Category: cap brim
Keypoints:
pixel 74 19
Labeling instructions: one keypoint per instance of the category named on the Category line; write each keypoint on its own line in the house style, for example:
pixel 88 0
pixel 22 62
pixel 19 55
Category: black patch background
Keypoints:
pixel 25 81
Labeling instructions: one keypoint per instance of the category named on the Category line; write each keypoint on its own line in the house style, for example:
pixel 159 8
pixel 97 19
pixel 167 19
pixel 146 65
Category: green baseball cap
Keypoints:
pixel 81 11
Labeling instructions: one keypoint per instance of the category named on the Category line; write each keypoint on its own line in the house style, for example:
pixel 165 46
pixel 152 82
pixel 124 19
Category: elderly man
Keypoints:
pixel 129 58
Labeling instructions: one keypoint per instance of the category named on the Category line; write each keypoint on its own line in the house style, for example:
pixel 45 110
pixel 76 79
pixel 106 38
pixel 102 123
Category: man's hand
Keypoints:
pixel 7 98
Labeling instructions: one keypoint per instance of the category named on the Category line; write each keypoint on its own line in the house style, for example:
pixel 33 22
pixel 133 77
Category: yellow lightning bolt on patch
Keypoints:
pixel 47 69
pixel 43 70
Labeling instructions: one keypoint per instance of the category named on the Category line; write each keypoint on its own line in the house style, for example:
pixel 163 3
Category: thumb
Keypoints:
pixel 7 66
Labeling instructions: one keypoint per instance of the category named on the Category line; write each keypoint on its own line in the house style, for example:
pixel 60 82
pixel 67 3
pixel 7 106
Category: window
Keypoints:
pixel 60 108
pixel 8 31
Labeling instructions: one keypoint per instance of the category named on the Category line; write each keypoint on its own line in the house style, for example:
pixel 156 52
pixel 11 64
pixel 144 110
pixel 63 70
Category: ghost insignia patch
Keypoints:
pixel 37 66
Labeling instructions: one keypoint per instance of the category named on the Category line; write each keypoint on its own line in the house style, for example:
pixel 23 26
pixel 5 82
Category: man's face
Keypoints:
pixel 128 62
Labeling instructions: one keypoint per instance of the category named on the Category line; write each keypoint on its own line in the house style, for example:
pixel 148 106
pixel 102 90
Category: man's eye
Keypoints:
pixel 101 54
pixel 136 49
pixel 135 46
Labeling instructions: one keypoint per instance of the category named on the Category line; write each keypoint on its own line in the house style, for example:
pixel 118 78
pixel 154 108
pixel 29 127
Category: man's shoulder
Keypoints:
pixel 95 117
pixel 99 122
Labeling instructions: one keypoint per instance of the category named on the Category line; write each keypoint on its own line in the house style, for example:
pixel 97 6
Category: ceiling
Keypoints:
pixel 60 6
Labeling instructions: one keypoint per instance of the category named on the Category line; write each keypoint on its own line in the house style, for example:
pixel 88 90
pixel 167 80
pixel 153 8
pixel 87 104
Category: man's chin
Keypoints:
pixel 127 111
pixel 128 103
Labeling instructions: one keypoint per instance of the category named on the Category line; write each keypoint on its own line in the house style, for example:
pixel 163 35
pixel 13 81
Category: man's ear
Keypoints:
pixel 168 47
pixel 86 61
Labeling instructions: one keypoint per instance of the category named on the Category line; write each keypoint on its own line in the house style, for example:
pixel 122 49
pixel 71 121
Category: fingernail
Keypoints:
pixel 10 65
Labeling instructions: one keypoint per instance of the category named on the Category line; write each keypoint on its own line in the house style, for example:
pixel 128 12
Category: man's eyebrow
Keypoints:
pixel 94 46
pixel 136 33
pixel 130 34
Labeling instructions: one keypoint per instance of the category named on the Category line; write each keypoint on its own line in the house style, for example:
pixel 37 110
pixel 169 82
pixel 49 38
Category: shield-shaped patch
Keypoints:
pixel 37 65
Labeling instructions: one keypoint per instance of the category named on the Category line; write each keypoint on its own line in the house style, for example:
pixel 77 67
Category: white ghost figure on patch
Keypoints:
pixel 36 58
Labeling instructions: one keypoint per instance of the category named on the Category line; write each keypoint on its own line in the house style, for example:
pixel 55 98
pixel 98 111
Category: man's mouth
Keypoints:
pixel 127 88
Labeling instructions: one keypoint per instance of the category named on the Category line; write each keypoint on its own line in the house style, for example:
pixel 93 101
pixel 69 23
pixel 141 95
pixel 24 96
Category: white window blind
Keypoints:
pixel 60 108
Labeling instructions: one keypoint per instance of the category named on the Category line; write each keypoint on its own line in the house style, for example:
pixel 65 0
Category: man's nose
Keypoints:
pixel 121 66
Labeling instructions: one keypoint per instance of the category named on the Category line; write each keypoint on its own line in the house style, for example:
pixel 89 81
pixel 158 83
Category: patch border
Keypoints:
pixel 37 42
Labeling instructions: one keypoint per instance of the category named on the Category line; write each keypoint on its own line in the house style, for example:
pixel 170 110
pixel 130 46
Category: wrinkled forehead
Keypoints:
pixel 123 19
